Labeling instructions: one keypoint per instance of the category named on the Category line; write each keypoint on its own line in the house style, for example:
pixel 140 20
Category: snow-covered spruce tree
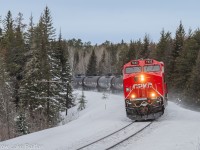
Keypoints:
pixel 102 64
pixel 65 93
pixel 131 52
pixel 21 122
pixel 39 91
pixel 144 51
pixel 184 63
pixel 192 92
pixel 92 65
pixel 48 33
pixel 82 101
pixel 30 32
pixel 163 52
pixel 176 51
pixel 105 95
pixel 31 89
pixel 7 108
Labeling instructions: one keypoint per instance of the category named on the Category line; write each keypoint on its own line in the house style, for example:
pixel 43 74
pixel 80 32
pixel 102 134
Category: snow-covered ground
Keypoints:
pixel 177 129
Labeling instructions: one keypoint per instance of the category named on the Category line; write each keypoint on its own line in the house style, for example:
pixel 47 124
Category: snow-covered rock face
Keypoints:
pixel 177 129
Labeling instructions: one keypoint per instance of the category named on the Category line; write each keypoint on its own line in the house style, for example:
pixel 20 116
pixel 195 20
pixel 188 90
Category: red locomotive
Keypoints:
pixel 145 89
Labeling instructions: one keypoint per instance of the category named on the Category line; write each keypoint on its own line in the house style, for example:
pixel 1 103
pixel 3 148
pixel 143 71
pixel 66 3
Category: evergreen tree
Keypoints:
pixel 30 32
pixel 131 52
pixel 139 48
pixel 21 123
pixel 102 64
pixel 163 52
pixel 178 47
pixel 192 92
pixel 66 78
pixel 13 43
pixel 82 102
pixel 144 53
pixel 47 62
pixel 7 111
pixel 179 41
pixel 163 47
pixel 92 65
pixel 41 73
pixel 8 33
pixel 31 89
pixel 123 50
pixel 185 63
pixel 112 58
pixel 105 96
pixel 76 60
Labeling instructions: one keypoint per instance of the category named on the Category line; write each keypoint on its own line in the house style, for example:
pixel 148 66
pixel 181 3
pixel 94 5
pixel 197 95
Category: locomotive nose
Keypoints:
pixel 140 78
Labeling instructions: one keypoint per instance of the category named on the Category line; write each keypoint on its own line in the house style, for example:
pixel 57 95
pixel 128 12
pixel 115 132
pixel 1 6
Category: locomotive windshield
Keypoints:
pixel 152 68
pixel 134 69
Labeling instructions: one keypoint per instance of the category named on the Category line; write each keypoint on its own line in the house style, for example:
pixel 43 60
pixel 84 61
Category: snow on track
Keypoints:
pixel 177 129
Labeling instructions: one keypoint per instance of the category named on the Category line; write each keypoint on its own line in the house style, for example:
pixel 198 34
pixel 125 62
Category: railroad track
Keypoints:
pixel 116 138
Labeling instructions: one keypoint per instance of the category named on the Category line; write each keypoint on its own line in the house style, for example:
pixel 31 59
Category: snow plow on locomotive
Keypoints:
pixel 145 89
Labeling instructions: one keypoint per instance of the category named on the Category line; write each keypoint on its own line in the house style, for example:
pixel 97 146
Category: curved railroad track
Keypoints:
pixel 116 138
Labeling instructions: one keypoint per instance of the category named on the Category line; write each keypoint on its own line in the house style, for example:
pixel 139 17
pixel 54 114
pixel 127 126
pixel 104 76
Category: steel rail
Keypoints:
pixel 129 137
pixel 105 136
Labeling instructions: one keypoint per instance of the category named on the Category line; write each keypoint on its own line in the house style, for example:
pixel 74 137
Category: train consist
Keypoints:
pixel 101 83
pixel 145 89
pixel 143 84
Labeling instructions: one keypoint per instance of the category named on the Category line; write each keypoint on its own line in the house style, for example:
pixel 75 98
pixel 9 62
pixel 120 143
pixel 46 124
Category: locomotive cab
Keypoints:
pixel 145 90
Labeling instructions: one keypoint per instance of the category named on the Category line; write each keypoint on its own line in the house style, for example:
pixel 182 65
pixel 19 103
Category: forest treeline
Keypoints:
pixel 37 66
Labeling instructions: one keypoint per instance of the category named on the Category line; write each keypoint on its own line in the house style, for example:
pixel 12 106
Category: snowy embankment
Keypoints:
pixel 177 129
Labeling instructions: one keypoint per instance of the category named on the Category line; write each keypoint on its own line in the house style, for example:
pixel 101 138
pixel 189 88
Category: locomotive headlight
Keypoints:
pixel 128 89
pixel 153 95
pixel 133 96
pixel 142 77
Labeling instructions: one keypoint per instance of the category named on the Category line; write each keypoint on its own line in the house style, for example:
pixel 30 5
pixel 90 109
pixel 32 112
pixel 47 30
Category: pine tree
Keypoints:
pixel 179 41
pixel 30 32
pixel 123 50
pixel 102 64
pixel 163 47
pixel 47 62
pixel 105 96
pixel 13 43
pixel 112 58
pixel 185 63
pixel 39 84
pixel 92 65
pixel 176 51
pixel 163 53
pixel 76 60
pixel 192 92
pixel 131 52
pixel 31 89
pixel 21 122
pixel 82 102
pixel 8 32
pixel 7 110
pixel 144 52
pixel 66 78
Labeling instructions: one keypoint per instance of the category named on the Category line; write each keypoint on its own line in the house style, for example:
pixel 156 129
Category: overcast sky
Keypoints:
pixel 112 20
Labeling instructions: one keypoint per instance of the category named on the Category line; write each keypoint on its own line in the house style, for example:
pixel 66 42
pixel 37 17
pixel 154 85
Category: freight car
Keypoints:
pixel 99 83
